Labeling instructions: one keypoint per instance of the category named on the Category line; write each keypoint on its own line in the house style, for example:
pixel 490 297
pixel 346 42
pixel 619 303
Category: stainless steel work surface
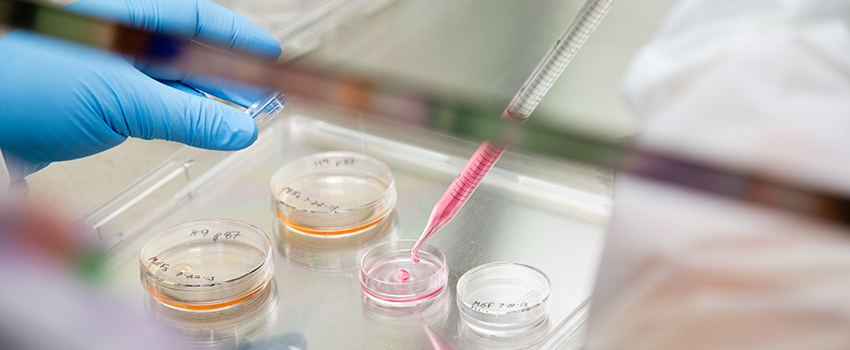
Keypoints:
pixel 546 213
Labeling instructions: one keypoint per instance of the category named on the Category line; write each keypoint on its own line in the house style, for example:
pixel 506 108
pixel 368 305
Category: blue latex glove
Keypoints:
pixel 61 101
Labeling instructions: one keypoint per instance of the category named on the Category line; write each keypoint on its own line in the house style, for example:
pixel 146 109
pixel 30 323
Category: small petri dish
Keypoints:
pixel 207 264
pixel 390 278
pixel 333 194
pixel 504 299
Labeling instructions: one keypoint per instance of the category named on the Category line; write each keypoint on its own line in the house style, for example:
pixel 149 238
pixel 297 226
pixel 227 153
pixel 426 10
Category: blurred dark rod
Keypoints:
pixel 463 116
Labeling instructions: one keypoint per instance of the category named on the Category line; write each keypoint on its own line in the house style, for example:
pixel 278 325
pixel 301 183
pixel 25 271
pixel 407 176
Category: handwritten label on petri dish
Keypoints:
pixel 520 305
pixel 191 275
pixel 216 236
pixel 335 162
pixel 297 194
pixel 164 267
pixel 499 307
pixel 162 264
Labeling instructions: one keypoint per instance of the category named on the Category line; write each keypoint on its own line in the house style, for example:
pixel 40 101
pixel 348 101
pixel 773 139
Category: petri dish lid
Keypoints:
pixel 333 193
pixel 206 264
pixel 503 298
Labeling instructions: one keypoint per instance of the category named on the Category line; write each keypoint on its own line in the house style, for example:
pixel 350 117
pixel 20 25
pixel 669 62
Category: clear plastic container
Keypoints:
pixel 504 299
pixel 334 194
pixel 267 107
pixel 207 264
pixel 389 277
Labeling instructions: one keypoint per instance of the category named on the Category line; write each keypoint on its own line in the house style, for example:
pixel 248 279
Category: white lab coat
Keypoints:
pixel 756 85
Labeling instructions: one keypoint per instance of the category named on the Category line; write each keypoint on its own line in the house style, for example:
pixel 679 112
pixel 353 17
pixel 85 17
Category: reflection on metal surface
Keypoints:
pixel 331 252
pixel 429 312
pixel 284 341
pixel 435 340
pixel 571 332
pixel 424 316
pixel 218 328
pixel 470 338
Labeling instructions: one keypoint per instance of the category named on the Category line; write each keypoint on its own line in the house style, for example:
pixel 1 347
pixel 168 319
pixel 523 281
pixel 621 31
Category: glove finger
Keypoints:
pixel 182 87
pixel 55 96
pixel 207 22
pixel 239 93
pixel 219 27
pixel 201 20
pixel 156 111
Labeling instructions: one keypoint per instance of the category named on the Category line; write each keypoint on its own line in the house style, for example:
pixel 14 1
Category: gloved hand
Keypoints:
pixel 61 101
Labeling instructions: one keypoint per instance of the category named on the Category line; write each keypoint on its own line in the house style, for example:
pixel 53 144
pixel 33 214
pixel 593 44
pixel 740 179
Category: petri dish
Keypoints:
pixel 333 194
pixel 207 264
pixel 504 299
pixel 390 278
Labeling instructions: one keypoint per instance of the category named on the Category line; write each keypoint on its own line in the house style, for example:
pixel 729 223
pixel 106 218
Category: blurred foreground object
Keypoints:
pixel 760 86
pixel 443 111
pixel 48 299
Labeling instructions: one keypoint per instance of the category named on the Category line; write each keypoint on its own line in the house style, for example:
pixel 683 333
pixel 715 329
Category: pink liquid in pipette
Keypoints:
pixel 458 192
pixel 403 275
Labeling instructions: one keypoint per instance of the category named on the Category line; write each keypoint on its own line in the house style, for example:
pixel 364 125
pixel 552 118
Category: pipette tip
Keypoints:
pixel 414 252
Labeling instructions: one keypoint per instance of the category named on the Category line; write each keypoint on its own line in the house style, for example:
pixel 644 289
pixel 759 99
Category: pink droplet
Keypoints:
pixel 403 275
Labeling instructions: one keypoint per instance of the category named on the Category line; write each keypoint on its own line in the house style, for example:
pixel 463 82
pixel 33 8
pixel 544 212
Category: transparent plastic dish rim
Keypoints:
pixel 469 274
pixel 367 206
pixel 267 250
pixel 441 257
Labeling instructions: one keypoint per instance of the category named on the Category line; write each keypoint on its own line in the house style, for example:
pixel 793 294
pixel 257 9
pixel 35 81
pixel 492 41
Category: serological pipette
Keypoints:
pixel 520 108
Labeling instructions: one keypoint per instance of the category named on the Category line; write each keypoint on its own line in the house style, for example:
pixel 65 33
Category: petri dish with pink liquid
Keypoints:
pixel 389 277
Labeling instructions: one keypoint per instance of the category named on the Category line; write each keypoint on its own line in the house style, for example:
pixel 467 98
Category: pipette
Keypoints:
pixel 520 108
